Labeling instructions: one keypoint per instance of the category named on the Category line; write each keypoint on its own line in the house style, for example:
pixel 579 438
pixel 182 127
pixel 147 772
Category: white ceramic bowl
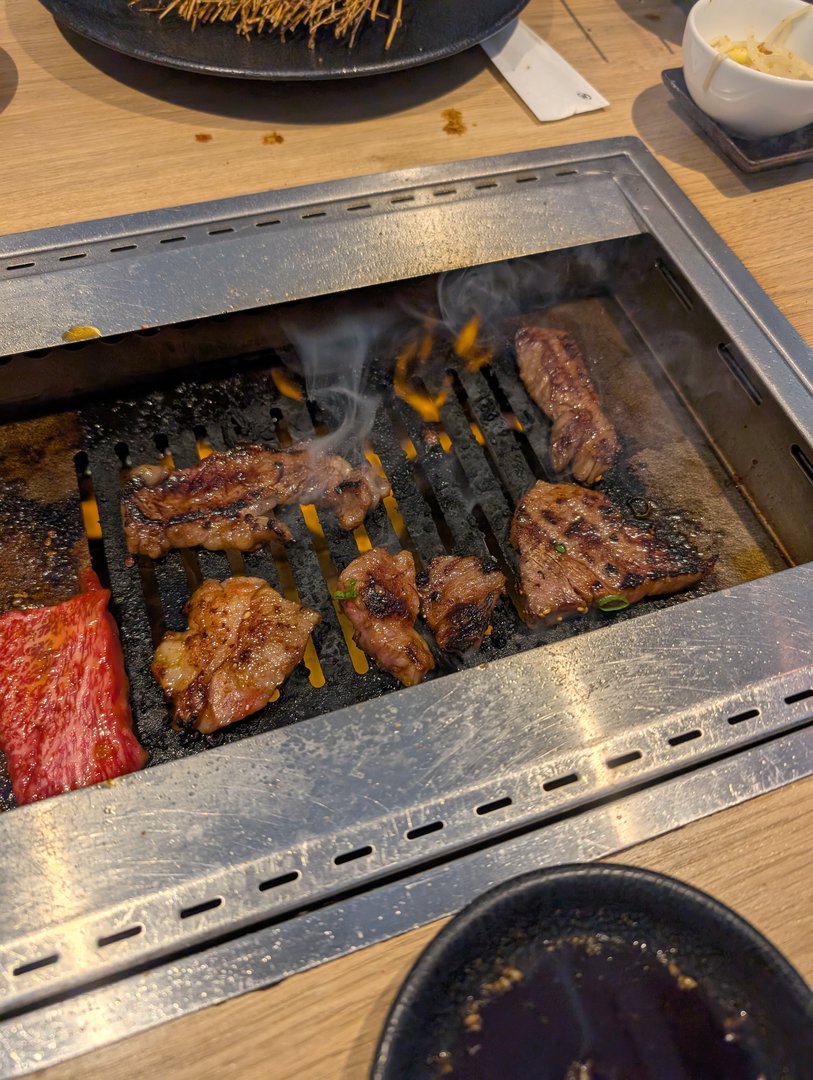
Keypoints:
pixel 748 102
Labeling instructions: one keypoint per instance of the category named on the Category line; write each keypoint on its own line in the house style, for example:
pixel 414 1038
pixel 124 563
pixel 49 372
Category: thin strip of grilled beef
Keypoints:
pixel 227 500
pixel 458 595
pixel 65 719
pixel 577 550
pixel 243 641
pixel 555 375
pixel 378 595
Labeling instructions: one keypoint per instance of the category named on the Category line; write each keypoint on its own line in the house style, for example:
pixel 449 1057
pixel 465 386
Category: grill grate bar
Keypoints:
pixel 479 473
pixel 412 505
pixel 176 575
pixel 128 598
pixel 465 520
pixel 501 446
pixel 341 550
pixel 173 585
pixel 312 590
pixel 507 389
pixel 439 469
pixel 378 526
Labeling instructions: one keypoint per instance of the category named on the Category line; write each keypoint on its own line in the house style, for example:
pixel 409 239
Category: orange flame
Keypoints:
pixel 363 541
pixel 425 347
pixel 426 405
pixel 286 385
pixel 90 517
pixel 467 348
pixel 408 446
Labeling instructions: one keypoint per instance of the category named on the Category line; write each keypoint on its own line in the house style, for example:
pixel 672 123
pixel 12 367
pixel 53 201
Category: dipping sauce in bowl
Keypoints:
pixel 598 972
pixel 751 102
pixel 598 1008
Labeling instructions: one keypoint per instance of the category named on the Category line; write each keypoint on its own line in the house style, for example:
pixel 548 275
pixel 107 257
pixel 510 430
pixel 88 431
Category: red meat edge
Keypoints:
pixel 65 719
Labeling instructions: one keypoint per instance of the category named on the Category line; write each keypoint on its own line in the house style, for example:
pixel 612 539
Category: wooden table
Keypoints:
pixel 87 134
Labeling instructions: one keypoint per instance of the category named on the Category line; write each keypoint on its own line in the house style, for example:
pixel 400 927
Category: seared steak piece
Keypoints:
pixel 65 719
pixel 555 375
pixel 458 594
pixel 243 642
pixel 577 550
pixel 226 500
pixel 378 595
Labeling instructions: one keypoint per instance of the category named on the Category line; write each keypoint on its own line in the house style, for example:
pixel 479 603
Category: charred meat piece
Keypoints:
pixel 243 642
pixel 577 550
pixel 226 501
pixel 555 375
pixel 378 595
pixel 458 594
pixel 65 719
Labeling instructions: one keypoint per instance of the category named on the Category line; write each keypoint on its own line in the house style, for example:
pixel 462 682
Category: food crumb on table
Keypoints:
pixel 454 122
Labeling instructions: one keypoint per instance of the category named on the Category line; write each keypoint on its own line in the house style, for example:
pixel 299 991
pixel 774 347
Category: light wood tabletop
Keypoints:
pixel 87 133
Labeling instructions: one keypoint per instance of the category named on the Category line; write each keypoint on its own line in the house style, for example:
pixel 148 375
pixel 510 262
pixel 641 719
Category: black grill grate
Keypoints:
pixel 455 484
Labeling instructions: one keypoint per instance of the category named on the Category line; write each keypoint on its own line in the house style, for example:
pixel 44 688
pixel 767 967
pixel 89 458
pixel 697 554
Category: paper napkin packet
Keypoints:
pixel 547 84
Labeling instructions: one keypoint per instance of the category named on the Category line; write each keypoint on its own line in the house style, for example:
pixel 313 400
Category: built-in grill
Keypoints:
pixel 349 809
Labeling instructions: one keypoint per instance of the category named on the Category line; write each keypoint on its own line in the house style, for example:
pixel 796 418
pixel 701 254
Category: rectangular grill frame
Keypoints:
pixel 98 863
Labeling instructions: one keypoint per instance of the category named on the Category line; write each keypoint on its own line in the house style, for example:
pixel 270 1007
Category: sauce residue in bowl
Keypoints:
pixel 598 1009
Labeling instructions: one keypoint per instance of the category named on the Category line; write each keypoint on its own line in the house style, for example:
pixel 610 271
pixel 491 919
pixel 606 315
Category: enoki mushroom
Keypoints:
pixel 344 17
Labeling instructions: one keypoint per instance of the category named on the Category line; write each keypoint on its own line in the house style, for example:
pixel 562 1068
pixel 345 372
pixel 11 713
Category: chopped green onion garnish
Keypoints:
pixel 613 602
pixel 350 593
pixel 560 548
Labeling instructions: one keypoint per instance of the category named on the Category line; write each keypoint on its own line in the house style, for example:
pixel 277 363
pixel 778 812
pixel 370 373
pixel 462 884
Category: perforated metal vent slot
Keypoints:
pixel 737 369
pixel 679 288
pixel 803 461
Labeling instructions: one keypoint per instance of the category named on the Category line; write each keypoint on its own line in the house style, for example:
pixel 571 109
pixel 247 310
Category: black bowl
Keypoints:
pixel 618 965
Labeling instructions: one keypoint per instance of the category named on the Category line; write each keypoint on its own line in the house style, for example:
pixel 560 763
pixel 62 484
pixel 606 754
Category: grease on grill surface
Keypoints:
pixel 593 1008
pixel 455 479
pixel 43 550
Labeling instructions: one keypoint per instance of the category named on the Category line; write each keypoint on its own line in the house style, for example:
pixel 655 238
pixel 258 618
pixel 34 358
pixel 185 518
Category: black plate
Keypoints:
pixel 749 155
pixel 432 30
pixel 626 957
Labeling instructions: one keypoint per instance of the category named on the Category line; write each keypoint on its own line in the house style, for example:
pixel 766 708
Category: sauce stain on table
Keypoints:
pixel 454 122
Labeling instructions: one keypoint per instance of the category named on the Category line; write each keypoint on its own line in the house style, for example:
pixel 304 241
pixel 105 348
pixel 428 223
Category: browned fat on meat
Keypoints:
pixel 458 595
pixel 555 375
pixel 379 597
pixel 575 548
pixel 243 641
pixel 226 501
